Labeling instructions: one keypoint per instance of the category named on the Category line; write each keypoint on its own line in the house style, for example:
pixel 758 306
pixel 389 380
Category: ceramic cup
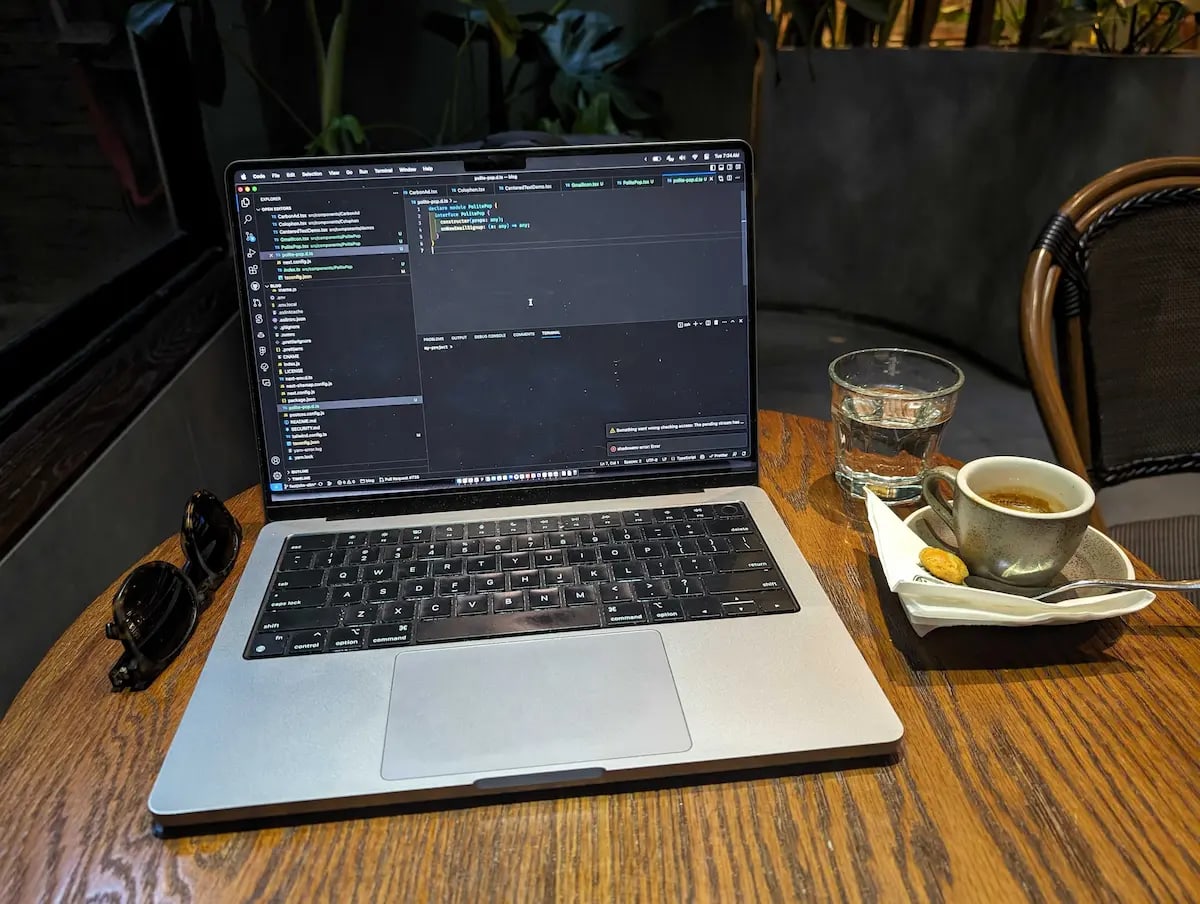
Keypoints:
pixel 1021 547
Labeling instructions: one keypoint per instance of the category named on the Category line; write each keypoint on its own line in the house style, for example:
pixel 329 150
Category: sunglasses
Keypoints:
pixel 157 607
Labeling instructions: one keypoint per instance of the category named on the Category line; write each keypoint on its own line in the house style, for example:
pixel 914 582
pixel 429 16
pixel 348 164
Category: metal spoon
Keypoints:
pixel 1065 591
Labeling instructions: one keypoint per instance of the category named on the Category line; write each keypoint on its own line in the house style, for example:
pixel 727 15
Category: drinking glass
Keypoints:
pixel 889 408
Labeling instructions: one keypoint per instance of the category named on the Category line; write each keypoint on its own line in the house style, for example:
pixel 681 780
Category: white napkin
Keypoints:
pixel 941 604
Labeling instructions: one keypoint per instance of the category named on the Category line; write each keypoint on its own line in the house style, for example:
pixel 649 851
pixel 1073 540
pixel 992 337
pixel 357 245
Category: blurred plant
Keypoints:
pixel 567 68
pixel 1122 26
pixel 820 23
pixel 337 132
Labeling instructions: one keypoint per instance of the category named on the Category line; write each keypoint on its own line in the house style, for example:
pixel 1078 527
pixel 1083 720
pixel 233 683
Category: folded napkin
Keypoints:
pixel 930 603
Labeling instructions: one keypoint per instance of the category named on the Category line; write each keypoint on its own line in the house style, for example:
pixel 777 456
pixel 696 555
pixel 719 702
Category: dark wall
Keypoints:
pixel 909 185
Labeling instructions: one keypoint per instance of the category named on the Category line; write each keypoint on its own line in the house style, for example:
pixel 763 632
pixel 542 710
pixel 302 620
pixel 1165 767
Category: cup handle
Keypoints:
pixel 929 489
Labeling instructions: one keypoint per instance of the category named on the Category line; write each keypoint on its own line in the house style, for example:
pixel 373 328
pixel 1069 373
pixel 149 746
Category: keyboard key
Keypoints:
pixel 514 526
pixel 296 561
pixel 302 598
pixel 555 576
pixel 579 595
pixel 624 614
pixel 486 583
pixel 345 639
pixel 636 517
pixel 684 586
pixel 659 568
pixel 529 541
pixel 580 555
pixel 437 607
pixel 418 587
pixel 515 561
pixel 562 539
pixel 729 510
pixel 494 545
pixel 666 610
pixel 771 603
pixel 507 624
pixel 356 538
pixel 480 564
pixel 362 555
pixel 698 512
pixel 547 598
pixel 658 532
pixel 453 586
pixel 617 553
pixel 541 525
pixel 743 582
pixel 723 526
pixel 680 548
pixel 627 534
pixel 389 635
pixel 447 566
pixel 462 548
pixel 522 580
pixel 713 545
pixel 416 535
pixel 387 590
pixel 397 553
pixel 606 519
pixel 695 565
pixel 575 522
pixel 648 550
pixel 595 537
pixel 360 615
pixel 290 580
pixel 450 532
pixel 595 574
pixel 686 529
pixel 616 593
pixel 472 605
pixel 429 550
pixel 549 559
pixel 701 607
pixel 741 561
pixel 346 593
pixel 627 571
pixel 479 529
pixel 306 642
pixel 347 574
pixel 395 612
pixel 417 569
pixel 650 590
pixel 375 573
pixel 667 515
pixel 263 645
pixel 744 608
pixel 509 601
pixel 387 537
pixel 745 543
pixel 308 542
pixel 329 558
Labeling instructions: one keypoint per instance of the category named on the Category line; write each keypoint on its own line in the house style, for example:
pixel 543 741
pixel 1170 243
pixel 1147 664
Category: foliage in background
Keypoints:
pixel 567 69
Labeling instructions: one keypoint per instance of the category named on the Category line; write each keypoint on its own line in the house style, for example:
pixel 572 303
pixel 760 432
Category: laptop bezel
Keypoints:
pixel 599 487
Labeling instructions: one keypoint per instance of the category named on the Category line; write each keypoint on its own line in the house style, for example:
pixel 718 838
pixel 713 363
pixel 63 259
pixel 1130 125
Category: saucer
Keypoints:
pixel 1097 556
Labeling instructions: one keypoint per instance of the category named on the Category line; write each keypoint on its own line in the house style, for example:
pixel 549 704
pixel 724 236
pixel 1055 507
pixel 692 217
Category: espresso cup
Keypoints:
pixel 1017 520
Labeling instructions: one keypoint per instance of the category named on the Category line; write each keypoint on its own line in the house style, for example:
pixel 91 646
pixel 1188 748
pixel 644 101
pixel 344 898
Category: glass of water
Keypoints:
pixel 889 408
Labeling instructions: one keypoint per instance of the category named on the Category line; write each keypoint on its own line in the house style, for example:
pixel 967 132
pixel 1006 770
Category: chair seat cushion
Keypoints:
pixel 1171 546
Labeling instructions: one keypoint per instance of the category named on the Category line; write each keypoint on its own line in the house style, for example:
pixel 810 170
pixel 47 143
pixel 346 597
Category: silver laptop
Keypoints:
pixel 506 414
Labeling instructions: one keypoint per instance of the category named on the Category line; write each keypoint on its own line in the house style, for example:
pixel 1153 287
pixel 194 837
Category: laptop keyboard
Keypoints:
pixel 334 592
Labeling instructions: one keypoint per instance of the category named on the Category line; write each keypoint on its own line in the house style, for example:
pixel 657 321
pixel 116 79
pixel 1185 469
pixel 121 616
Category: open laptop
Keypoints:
pixel 506 415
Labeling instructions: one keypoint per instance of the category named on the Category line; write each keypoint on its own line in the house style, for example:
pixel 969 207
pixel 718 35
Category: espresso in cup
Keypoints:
pixel 1015 519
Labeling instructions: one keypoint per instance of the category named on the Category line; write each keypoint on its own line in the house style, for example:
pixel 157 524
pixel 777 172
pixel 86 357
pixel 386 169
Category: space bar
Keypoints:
pixel 472 627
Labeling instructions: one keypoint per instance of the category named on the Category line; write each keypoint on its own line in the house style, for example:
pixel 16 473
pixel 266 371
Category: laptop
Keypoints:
pixel 505 407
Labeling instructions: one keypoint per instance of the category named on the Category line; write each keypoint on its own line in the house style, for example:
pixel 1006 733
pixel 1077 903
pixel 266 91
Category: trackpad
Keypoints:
pixel 531 704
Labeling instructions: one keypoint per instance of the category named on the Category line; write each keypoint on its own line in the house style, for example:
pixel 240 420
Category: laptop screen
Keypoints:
pixel 456 322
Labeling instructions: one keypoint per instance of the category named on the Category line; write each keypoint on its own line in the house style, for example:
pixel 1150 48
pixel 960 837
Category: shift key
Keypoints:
pixel 299 620
pixel 743 582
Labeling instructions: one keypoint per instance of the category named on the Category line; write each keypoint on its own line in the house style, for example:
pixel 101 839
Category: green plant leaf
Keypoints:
pixel 582 42
pixel 144 18
pixel 505 26
pixel 596 117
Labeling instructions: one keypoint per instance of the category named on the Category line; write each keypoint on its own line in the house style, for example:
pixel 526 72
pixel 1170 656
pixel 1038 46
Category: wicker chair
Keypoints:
pixel 1110 328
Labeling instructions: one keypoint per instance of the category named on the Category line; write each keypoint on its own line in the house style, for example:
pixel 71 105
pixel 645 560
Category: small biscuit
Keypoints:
pixel 943 564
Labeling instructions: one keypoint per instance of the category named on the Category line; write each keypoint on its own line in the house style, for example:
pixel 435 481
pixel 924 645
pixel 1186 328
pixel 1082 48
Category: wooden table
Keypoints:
pixel 1041 763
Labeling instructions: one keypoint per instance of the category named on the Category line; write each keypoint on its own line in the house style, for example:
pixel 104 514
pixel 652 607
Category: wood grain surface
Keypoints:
pixel 1043 764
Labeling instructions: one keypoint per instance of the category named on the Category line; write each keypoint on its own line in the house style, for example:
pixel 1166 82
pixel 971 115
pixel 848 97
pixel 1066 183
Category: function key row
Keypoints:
pixel 479 530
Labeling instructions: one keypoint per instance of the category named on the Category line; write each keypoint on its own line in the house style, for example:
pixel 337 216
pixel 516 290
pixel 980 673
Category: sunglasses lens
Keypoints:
pixel 158 609
pixel 212 533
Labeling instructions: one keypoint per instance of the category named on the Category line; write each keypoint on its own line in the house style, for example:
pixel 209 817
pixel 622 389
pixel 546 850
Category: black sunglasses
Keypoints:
pixel 157 607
